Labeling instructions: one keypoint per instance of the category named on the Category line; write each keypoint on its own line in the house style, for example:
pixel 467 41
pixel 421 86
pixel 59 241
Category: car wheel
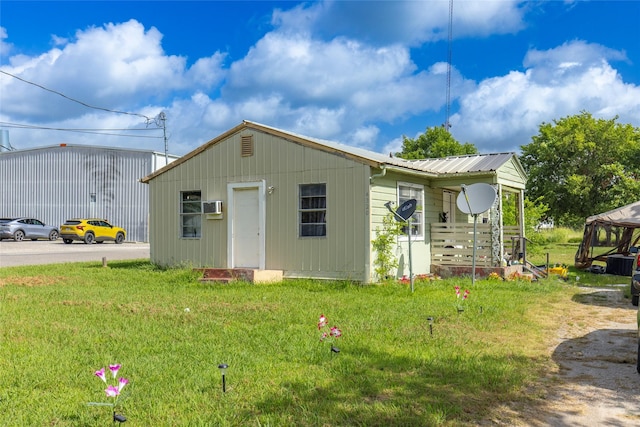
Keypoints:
pixel 67 241
pixel 89 238
pixel 634 300
pixel 119 238
pixel 53 235
pixel 18 236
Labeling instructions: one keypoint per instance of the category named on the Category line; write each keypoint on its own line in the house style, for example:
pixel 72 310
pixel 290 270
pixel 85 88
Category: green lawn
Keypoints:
pixel 61 323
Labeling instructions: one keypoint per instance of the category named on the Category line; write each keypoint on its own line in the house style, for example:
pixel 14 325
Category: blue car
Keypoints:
pixel 19 229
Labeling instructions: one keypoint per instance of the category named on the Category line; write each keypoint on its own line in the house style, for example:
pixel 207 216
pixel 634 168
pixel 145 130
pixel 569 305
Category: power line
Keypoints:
pixel 90 131
pixel 159 120
pixel 148 119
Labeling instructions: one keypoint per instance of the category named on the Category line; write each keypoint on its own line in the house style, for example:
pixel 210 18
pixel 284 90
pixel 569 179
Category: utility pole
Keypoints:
pixel 162 117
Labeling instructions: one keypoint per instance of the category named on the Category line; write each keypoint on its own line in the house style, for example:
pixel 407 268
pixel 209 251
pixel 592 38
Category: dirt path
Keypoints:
pixel 594 381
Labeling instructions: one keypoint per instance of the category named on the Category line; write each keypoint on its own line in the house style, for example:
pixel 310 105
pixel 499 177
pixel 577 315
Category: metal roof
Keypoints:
pixel 87 147
pixel 447 165
pixel 362 153
pixel 477 163
pixel 465 164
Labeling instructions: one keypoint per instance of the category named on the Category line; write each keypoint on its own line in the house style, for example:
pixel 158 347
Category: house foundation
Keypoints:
pixel 226 275
pixel 448 271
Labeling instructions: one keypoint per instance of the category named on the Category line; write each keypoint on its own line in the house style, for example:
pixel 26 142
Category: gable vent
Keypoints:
pixel 246 146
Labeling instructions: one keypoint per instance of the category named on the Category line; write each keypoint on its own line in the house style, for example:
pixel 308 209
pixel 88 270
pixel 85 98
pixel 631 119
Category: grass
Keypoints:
pixel 560 247
pixel 60 323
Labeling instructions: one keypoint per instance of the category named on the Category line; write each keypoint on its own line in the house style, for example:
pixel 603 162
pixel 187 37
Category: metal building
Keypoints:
pixel 56 183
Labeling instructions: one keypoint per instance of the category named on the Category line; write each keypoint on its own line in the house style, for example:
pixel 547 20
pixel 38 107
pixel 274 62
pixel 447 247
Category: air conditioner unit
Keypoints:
pixel 212 207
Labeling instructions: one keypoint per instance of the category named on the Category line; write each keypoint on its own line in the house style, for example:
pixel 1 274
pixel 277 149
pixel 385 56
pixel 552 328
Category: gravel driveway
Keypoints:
pixel 594 381
pixel 45 252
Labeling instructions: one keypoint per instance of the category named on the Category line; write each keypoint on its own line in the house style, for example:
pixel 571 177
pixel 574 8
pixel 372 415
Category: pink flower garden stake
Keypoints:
pixel 461 298
pixel 330 336
pixel 113 391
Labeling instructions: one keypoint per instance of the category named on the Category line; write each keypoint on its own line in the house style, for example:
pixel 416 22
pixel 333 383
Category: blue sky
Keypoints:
pixel 363 73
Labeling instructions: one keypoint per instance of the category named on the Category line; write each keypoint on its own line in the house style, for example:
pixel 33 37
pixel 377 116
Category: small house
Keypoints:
pixel 257 197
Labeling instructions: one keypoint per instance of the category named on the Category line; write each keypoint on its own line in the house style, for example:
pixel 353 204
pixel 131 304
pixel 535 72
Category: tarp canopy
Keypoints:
pixel 626 216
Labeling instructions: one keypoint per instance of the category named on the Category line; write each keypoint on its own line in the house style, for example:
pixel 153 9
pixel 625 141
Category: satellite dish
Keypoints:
pixel 476 198
pixel 407 209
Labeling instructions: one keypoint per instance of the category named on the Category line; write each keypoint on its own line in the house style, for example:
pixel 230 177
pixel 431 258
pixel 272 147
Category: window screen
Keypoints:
pixel 313 210
pixel 190 214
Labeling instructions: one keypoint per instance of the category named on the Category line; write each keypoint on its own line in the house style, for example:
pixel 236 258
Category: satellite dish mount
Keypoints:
pixel 474 200
pixel 403 214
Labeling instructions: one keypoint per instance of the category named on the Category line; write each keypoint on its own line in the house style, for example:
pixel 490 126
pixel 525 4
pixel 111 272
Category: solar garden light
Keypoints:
pixel 430 319
pixel 223 370
pixel 118 418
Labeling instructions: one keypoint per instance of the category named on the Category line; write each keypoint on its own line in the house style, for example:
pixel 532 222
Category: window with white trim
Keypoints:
pixel 407 191
pixel 190 214
pixel 312 210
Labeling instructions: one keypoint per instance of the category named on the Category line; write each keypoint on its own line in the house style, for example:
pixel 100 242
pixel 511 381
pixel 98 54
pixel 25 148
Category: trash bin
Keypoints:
pixel 620 265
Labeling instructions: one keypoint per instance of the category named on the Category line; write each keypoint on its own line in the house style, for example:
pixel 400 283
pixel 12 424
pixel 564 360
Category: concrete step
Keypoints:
pixel 226 275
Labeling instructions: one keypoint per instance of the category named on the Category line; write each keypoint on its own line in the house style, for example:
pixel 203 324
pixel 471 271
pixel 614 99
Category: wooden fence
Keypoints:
pixel 452 244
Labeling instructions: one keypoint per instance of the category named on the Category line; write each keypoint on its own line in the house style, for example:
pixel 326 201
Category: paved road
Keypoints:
pixel 46 252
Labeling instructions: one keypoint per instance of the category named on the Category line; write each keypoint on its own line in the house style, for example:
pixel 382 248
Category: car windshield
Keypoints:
pixel 72 222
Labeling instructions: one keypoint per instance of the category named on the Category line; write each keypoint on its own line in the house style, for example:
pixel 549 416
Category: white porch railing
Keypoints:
pixel 452 244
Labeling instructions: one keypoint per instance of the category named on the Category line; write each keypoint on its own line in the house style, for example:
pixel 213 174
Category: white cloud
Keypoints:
pixel 327 88
pixel 406 22
pixel 363 137
pixel 5 47
pixel 304 69
pixel 321 73
pixel 392 147
pixel 504 112
pixel 114 66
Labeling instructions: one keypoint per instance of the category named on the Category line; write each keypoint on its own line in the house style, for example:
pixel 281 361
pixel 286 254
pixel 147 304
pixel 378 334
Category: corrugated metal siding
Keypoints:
pixel 58 183
pixel 283 165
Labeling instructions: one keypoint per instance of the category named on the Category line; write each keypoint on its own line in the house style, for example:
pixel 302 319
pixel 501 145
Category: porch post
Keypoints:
pixel 497 233
pixel 521 213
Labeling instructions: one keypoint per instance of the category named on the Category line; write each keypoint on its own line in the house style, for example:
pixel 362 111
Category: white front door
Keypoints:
pixel 246 225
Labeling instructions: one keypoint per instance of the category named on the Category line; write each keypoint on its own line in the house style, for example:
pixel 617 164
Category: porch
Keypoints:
pixel 499 251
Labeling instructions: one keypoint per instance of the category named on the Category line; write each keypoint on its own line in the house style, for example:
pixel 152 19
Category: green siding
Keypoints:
pixel 511 175
pixel 384 189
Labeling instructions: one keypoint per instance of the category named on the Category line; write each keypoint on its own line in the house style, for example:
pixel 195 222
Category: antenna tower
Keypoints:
pixel 447 125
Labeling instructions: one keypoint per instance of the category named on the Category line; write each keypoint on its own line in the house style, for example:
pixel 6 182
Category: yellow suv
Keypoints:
pixel 91 230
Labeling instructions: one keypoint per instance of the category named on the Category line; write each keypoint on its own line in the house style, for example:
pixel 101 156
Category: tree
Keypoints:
pixel 535 211
pixel 580 166
pixel 434 143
